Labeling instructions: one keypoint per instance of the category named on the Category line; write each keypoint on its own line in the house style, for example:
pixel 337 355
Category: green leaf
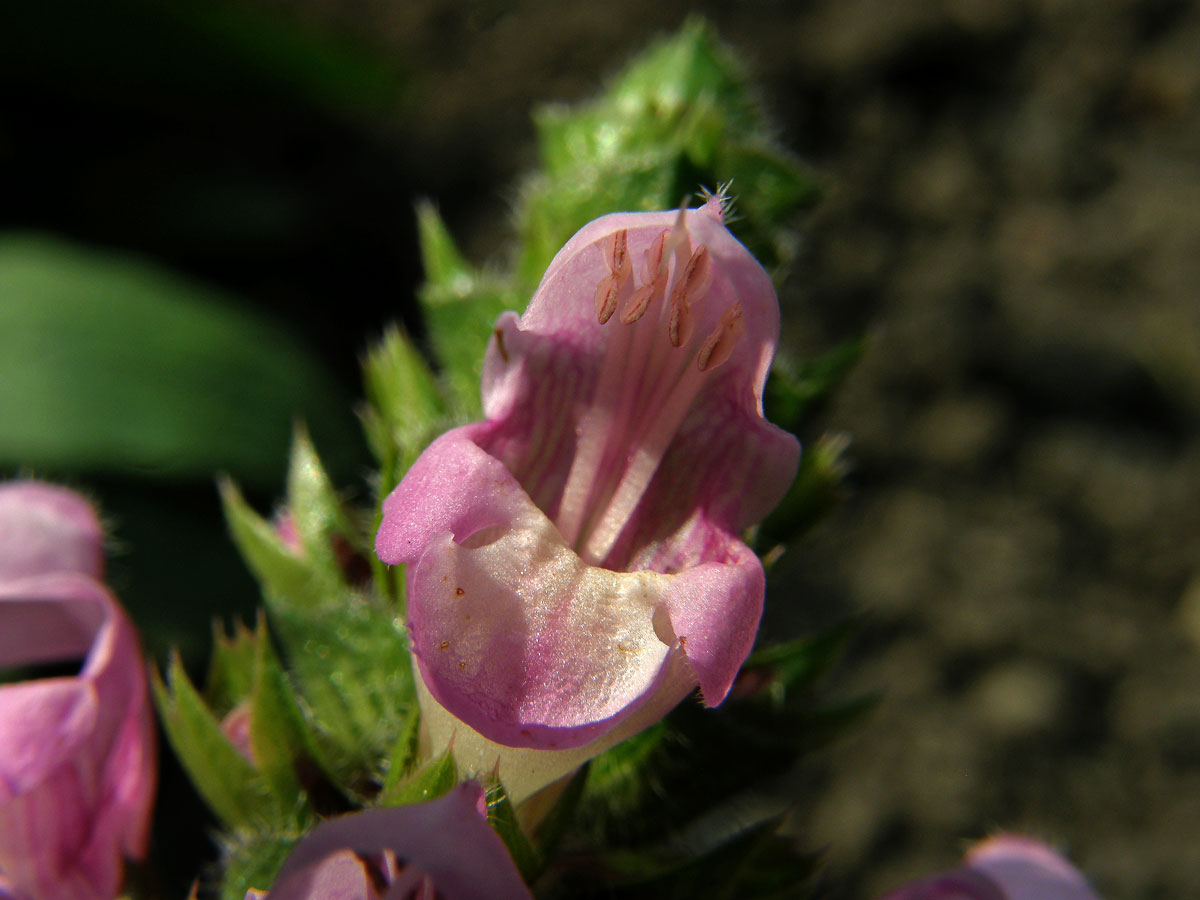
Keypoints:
pixel 445 267
pixel 404 751
pixel 755 864
pixel 548 833
pixel 618 779
pixel 460 308
pixel 252 859
pixel 794 392
pixel 352 667
pixel 283 573
pixel 789 668
pixel 107 362
pixel 285 749
pixel 319 519
pixel 428 783
pixel 503 820
pixel 680 117
pixel 231 670
pixel 228 783
pixel 816 490
pixel 405 410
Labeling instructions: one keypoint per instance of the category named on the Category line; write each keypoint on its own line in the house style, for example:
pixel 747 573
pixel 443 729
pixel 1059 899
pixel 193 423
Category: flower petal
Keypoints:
pixel 446 839
pixel 512 632
pixel 1027 869
pixel 45 528
pixel 77 766
pixel 341 876
pixel 542 368
pixel 44 725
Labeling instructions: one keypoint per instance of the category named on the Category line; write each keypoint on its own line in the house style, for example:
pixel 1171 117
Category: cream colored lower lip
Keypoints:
pixel 524 771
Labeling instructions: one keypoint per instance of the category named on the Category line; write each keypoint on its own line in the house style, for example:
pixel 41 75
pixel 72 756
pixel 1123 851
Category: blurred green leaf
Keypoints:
pixel 816 490
pixel 225 779
pixel 797 665
pixel 795 391
pixel 406 409
pixel 755 864
pixel 108 362
pixel 198 47
pixel 231 670
pixel 252 859
pixel 404 752
pixel 619 779
pixel 429 782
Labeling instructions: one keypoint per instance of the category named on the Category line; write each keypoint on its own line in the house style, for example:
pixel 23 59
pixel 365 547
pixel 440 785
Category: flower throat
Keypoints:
pixel 654 366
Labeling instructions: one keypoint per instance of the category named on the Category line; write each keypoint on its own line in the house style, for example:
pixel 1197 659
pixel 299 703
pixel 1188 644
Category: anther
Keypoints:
pixel 616 257
pixel 719 345
pixel 607 292
pixel 689 287
pixel 654 276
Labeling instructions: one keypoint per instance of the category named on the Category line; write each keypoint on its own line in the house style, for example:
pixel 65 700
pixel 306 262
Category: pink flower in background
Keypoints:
pixel 443 848
pixel 1004 867
pixel 46 529
pixel 77 756
pixel 574 565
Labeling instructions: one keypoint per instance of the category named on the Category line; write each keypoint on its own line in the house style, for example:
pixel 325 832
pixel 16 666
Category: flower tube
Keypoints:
pixel 77 757
pixel 574 566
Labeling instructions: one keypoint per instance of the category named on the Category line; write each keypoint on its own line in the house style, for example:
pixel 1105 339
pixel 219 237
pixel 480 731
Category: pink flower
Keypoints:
pixel 443 849
pixel 574 568
pixel 1004 867
pixel 77 757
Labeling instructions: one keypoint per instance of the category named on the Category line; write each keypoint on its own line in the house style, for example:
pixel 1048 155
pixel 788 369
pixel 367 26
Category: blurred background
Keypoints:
pixel 223 192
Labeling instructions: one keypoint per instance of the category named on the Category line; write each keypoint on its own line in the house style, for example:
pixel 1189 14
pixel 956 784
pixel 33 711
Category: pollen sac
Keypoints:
pixel 689 288
pixel 718 347
pixel 620 270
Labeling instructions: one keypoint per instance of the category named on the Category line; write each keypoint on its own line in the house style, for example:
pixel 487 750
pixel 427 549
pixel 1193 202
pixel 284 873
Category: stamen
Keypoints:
pixel 643 463
pixel 642 394
pixel 719 345
pixel 689 286
pixel 679 242
pixel 607 292
pixel 616 257
pixel 654 275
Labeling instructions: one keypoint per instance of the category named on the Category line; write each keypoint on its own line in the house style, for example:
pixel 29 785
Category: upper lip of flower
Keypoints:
pixel 624 429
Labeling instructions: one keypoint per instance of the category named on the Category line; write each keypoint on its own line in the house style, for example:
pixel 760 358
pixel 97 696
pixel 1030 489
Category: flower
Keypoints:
pixel 442 848
pixel 1004 867
pixel 574 569
pixel 77 756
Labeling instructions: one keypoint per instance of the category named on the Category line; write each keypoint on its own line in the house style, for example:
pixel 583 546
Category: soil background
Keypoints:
pixel 1012 215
